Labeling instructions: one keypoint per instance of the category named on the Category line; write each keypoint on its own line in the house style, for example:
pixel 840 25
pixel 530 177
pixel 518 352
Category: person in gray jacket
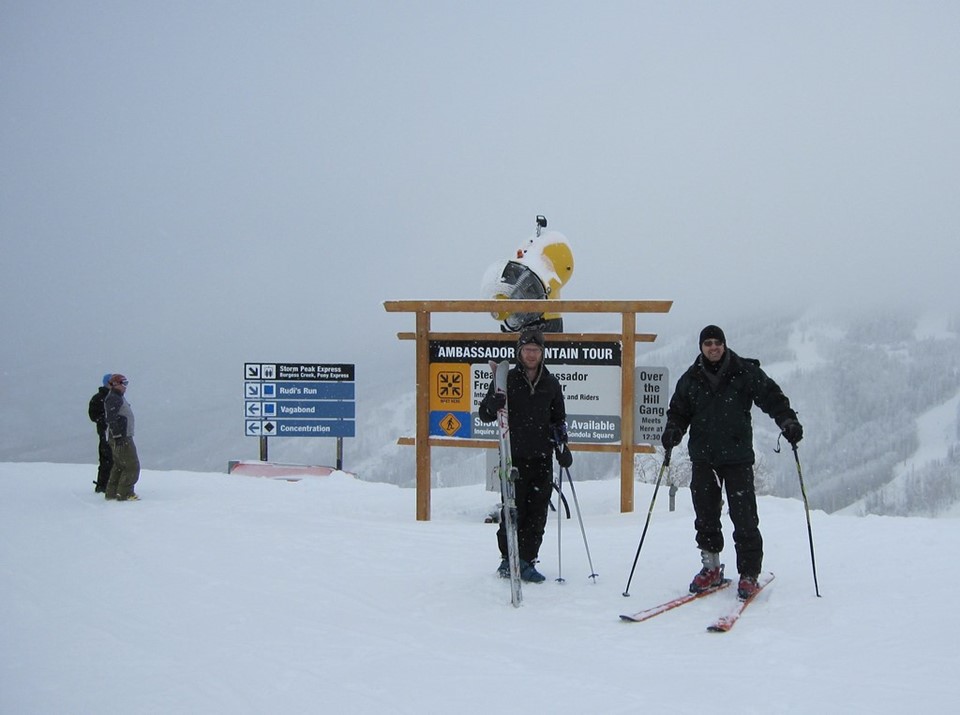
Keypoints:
pixel 126 463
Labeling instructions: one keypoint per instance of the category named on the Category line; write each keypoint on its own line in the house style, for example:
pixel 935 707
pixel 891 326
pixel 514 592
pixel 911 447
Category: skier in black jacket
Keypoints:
pixel 98 417
pixel 714 398
pixel 535 409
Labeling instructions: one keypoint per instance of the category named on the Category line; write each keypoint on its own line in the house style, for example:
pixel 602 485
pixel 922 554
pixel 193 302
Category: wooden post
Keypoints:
pixel 628 360
pixel 424 469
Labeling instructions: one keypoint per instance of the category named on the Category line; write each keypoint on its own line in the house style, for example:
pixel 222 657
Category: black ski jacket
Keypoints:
pixel 721 430
pixel 96 411
pixel 533 408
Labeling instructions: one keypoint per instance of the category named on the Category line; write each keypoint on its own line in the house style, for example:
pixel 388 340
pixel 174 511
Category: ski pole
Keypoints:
pixel 663 467
pixel 576 506
pixel 559 486
pixel 806 508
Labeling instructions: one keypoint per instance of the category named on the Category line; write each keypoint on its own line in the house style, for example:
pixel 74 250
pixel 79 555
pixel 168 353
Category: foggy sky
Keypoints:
pixel 188 186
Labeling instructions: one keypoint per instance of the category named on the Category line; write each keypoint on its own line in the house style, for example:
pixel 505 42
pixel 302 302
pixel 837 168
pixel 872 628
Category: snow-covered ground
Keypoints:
pixel 231 594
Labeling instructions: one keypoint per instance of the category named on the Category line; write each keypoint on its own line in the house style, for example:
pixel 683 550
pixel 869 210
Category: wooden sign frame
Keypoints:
pixel 629 337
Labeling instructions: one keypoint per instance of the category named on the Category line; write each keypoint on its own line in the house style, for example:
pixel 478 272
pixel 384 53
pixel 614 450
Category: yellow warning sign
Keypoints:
pixel 450 424
pixel 450 387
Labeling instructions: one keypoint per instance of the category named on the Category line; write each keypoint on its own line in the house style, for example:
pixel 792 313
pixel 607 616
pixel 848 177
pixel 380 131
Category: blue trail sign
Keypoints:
pixel 299 399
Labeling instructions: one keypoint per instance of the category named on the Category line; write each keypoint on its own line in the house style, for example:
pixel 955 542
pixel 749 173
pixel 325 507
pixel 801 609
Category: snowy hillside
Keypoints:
pixel 227 594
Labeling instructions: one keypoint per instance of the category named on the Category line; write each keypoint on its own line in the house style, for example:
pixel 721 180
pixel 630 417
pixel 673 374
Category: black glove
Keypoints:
pixel 792 430
pixel 558 433
pixel 671 436
pixel 564 457
pixel 495 402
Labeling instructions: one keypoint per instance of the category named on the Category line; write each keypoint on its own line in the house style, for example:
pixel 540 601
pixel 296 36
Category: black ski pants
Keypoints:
pixel 106 463
pixel 706 488
pixel 533 491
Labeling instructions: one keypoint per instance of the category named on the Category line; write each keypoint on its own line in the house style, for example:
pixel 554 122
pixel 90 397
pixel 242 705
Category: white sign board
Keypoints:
pixel 650 402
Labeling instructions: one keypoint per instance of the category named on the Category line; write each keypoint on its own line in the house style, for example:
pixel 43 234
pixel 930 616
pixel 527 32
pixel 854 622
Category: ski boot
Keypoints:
pixel 747 588
pixel 710 576
pixel 529 573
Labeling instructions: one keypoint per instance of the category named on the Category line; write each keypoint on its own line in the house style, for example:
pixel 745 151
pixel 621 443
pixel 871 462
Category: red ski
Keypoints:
pixel 729 620
pixel 672 603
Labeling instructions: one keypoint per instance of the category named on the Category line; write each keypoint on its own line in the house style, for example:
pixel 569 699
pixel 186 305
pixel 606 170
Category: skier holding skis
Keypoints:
pixel 535 407
pixel 714 398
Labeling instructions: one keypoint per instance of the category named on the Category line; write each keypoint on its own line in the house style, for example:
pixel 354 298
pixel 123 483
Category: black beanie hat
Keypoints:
pixel 712 331
pixel 531 336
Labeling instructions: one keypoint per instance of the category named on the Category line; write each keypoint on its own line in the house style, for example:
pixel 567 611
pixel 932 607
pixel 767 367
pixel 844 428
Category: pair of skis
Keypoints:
pixel 723 624
pixel 508 479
